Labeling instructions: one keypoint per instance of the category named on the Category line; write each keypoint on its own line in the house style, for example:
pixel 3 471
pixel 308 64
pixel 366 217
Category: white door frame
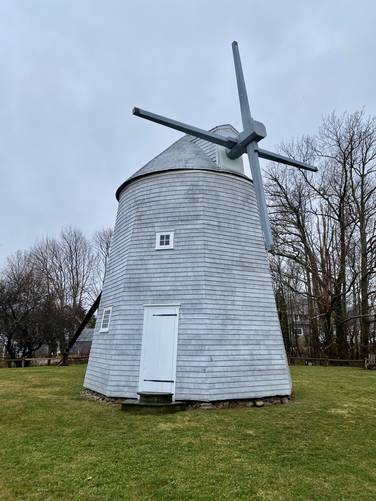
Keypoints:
pixel 176 308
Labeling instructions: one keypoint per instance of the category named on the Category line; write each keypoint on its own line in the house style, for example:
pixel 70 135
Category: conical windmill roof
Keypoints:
pixel 186 153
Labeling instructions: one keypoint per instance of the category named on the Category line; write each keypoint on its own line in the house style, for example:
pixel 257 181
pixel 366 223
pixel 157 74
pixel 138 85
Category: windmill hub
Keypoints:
pixel 245 138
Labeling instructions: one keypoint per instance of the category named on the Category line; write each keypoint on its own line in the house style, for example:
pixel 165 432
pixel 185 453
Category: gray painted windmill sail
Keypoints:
pixel 187 306
pixel 246 142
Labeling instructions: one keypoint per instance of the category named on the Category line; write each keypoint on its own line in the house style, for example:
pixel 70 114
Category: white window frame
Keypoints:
pixel 158 245
pixel 106 329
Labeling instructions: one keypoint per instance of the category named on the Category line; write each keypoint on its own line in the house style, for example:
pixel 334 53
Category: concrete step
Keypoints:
pixel 155 397
pixel 138 407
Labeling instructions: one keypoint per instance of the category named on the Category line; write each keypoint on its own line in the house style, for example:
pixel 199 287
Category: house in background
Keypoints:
pixel 82 346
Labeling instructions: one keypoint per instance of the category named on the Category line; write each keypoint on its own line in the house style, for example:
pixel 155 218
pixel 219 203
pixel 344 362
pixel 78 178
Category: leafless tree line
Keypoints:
pixel 45 291
pixel 323 269
pixel 324 228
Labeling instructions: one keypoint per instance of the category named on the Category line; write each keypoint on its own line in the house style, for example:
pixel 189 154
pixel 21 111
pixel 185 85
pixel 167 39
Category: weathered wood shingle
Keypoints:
pixel 229 339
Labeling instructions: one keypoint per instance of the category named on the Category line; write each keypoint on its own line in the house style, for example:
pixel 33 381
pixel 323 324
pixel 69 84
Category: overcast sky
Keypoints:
pixel 71 71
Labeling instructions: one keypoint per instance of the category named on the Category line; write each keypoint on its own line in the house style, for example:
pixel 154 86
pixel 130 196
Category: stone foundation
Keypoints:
pixel 230 404
pixel 99 397
pixel 220 404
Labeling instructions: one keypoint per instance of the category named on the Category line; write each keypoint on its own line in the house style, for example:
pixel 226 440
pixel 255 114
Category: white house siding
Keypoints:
pixel 229 340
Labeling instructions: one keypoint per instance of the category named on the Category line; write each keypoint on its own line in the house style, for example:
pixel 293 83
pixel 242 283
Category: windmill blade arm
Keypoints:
pixel 80 328
pixel 187 129
pixel 260 197
pixel 242 90
pixel 275 157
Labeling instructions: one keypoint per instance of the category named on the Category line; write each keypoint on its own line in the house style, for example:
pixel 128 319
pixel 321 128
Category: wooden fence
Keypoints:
pixel 39 361
pixel 326 361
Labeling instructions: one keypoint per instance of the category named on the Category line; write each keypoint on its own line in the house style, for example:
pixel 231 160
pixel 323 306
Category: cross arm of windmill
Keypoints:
pixel 235 146
pixel 246 142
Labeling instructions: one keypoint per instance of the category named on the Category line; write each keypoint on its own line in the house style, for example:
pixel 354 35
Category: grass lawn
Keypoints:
pixel 56 445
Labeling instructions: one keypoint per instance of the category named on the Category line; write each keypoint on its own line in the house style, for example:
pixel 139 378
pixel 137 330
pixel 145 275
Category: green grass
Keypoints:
pixel 56 445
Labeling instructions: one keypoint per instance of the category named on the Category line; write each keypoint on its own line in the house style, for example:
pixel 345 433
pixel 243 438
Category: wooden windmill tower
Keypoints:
pixel 187 305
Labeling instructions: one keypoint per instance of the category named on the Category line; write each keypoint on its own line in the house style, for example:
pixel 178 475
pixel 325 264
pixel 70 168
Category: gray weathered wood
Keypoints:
pixel 229 339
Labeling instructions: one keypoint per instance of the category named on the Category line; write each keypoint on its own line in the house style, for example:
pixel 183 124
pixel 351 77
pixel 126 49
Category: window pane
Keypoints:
pixel 164 240
pixel 106 318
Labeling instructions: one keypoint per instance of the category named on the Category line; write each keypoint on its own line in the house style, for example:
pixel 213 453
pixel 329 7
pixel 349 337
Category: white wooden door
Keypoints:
pixel 159 347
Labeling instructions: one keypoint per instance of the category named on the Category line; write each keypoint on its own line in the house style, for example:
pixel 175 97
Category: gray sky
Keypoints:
pixel 71 71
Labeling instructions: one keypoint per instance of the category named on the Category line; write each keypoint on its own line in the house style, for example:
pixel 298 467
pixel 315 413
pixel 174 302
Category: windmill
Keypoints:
pixel 187 310
pixel 246 142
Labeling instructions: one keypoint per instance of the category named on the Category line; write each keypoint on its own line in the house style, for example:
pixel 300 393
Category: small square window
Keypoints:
pixel 164 240
pixel 106 317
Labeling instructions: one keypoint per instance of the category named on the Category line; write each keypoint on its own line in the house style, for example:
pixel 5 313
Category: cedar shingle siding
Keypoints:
pixel 229 340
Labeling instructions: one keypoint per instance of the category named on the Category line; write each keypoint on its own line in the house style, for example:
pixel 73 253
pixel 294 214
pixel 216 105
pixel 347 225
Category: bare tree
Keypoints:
pixel 68 267
pixel 22 301
pixel 45 292
pixel 325 224
pixel 101 247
